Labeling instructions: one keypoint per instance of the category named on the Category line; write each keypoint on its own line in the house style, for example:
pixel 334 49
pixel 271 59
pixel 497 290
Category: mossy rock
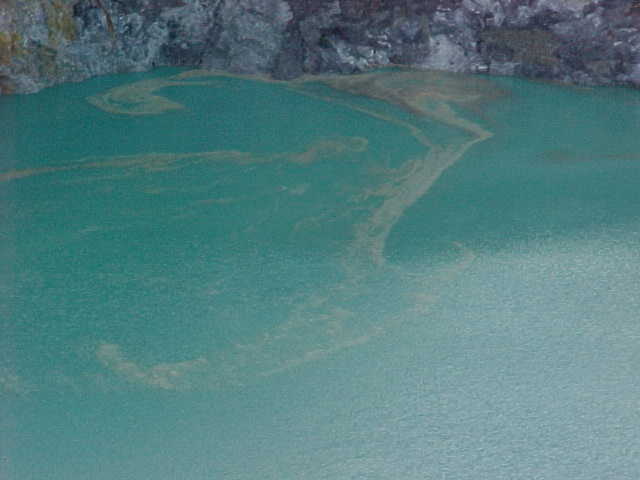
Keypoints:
pixel 9 47
pixel 60 21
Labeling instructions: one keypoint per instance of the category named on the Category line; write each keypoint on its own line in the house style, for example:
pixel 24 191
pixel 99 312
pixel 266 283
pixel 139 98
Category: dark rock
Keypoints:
pixel 43 42
pixel 289 63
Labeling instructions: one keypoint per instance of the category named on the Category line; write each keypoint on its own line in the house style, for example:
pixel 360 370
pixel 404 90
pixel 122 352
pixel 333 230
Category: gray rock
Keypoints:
pixel 447 55
pixel 43 42
pixel 250 37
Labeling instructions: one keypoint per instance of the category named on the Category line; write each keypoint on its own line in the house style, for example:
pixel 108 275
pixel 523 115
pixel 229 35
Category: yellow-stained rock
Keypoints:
pixel 9 47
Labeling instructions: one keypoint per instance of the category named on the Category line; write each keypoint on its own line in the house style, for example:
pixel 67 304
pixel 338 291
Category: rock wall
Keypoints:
pixel 44 42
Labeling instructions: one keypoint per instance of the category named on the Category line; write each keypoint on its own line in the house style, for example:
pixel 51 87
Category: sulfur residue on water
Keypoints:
pixel 344 196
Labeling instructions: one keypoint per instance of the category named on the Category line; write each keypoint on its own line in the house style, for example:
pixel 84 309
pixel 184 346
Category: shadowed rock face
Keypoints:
pixel 43 42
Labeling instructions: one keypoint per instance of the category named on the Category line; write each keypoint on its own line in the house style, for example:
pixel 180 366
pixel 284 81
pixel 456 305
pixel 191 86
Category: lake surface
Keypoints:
pixel 401 274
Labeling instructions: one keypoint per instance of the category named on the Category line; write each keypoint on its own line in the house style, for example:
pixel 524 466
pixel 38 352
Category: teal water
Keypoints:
pixel 395 275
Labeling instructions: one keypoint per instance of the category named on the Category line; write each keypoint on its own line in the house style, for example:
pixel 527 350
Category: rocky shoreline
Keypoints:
pixel 45 42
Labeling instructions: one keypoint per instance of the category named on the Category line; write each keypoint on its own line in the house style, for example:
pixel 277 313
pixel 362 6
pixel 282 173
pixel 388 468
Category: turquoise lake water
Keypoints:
pixel 401 274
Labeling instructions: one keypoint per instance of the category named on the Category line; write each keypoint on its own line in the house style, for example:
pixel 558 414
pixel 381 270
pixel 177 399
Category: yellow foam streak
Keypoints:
pixel 139 98
pixel 423 94
pixel 157 162
pixel 318 324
